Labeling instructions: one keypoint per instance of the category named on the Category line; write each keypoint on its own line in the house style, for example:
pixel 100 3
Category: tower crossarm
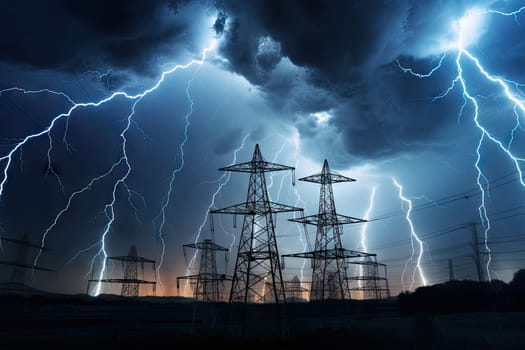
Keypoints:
pixel 330 178
pixel 294 288
pixel 327 219
pixel 206 244
pixel 329 254
pixel 256 166
pixel 23 242
pixel 366 278
pixel 257 208
pixel 122 280
pixel 25 266
pixel 255 254
pixel 326 176
pixel 364 289
pixel 131 258
pixel 204 277
pixel 367 263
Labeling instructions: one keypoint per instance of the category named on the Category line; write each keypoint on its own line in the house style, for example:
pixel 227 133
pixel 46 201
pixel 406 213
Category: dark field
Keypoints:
pixel 78 322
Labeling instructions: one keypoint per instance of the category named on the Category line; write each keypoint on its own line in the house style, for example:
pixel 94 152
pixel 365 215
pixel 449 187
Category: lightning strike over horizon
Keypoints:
pixel 307 246
pixel 109 207
pixel 413 236
pixel 132 193
pixel 9 156
pixel 274 160
pixel 364 227
pixel 178 169
pixel 68 205
pixel 50 169
pixel 222 181
pixel 466 32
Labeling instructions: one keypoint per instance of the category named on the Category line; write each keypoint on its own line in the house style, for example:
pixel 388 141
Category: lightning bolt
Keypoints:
pixel 50 169
pixel 302 230
pixel 83 250
pixel 364 228
pixel 298 200
pixel 413 236
pixel 167 199
pixel 123 161
pixel 222 181
pixel 109 209
pixel 510 89
pixel 64 210
pixel 132 193
pixel 275 157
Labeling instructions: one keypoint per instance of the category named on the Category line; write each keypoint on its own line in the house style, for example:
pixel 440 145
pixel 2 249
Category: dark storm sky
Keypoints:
pixel 307 80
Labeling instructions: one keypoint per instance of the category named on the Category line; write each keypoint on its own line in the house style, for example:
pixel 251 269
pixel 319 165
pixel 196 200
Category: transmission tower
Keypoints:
pixel 257 267
pixel 329 277
pixel 477 255
pixel 451 274
pixel 294 290
pixel 207 283
pixel 371 279
pixel 130 282
pixel 17 282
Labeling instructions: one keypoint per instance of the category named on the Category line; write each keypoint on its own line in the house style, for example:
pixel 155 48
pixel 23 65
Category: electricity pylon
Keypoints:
pixel 329 277
pixel 130 282
pixel 257 267
pixel 372 282
pixel 294 290
pixel 17 283
pixel 206 284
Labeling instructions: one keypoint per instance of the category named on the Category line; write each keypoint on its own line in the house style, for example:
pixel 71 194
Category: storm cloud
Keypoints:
pixel 342 56
pixel 82 35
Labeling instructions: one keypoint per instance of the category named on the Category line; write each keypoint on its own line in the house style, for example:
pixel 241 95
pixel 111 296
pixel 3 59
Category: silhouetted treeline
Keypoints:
pixel 466 296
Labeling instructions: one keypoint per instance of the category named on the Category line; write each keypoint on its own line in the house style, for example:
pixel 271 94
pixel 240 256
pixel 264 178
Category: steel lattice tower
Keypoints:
pixel 294 290
pixel 17 282
pixel 130 282
pixel 329 277
pixel 130 289
pixel 257 267
pixel 372 283
pixel 18 276
pixel 207 282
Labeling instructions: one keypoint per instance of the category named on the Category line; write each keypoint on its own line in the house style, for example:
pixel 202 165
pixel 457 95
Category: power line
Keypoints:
pixel 451 198
pixel 453 228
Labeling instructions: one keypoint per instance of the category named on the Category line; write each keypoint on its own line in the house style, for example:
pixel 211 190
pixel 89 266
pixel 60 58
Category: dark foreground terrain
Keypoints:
pixel 79 322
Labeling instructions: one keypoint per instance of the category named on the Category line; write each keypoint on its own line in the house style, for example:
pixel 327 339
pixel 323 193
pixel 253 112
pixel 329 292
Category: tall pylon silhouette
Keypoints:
pixel 207 283
pixel 257 267
pixel 130 282
pixel 371 278
pixel 18 281
pixel 329 277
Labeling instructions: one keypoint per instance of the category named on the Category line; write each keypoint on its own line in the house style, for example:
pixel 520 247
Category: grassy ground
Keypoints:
pixel 27 323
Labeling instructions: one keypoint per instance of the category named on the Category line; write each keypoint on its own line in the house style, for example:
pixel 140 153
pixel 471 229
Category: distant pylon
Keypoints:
pixel 451 275
pixel 372 282
pixel 130 282
pixel 477 253
pixel 294 290
pixel 18 275
pixel 131 287
pixel 329 277
pixel 17 283
pixel 257 267
pixel 206 284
